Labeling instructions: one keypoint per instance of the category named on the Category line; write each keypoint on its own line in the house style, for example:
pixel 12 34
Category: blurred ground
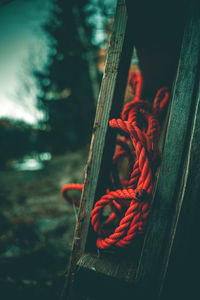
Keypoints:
pixel 36 228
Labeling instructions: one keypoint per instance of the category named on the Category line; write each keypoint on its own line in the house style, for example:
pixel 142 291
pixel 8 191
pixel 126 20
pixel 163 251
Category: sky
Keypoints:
pixel 24 48
pixel 98 19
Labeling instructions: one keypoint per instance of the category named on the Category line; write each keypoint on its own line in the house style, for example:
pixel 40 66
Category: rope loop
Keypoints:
pixel 122 213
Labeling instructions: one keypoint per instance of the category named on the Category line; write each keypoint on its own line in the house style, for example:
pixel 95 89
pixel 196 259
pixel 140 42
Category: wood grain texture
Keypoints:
pixel 116 272
pixel 182 275
pixel 105 278
pixel 174 171
pixel 109 106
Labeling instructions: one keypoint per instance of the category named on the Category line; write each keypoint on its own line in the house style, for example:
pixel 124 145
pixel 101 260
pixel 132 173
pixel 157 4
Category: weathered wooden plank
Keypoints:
pixel 105 278
pixel 109 105
pixel 122 262
pixel 182 278
pixel 174 171
pixel 108 267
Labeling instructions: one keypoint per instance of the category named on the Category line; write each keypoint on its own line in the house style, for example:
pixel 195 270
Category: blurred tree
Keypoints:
pixel 71 86
pixel 17 139
pixel 70 83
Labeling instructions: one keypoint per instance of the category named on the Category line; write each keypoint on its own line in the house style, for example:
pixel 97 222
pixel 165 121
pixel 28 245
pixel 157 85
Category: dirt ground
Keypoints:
pixel 36 228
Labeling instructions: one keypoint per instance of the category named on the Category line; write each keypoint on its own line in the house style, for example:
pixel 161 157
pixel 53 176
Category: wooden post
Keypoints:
pixel 101 150
pixel 176 164
pixel 143 270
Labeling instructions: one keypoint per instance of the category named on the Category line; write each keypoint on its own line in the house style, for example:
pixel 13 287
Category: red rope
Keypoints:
pixel 68 187
pixel 129 201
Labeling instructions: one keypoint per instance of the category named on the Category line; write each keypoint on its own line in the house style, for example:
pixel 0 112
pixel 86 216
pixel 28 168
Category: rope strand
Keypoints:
pixel 129 201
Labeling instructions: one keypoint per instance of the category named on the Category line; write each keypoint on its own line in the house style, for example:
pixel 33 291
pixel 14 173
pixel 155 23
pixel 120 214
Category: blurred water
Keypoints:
pixel 32 162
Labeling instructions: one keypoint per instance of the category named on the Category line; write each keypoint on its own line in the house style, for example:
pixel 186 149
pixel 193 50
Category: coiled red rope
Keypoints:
pixel 129 201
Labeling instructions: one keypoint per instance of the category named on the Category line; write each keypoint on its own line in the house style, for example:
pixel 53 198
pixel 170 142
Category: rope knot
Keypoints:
pixel 128 200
